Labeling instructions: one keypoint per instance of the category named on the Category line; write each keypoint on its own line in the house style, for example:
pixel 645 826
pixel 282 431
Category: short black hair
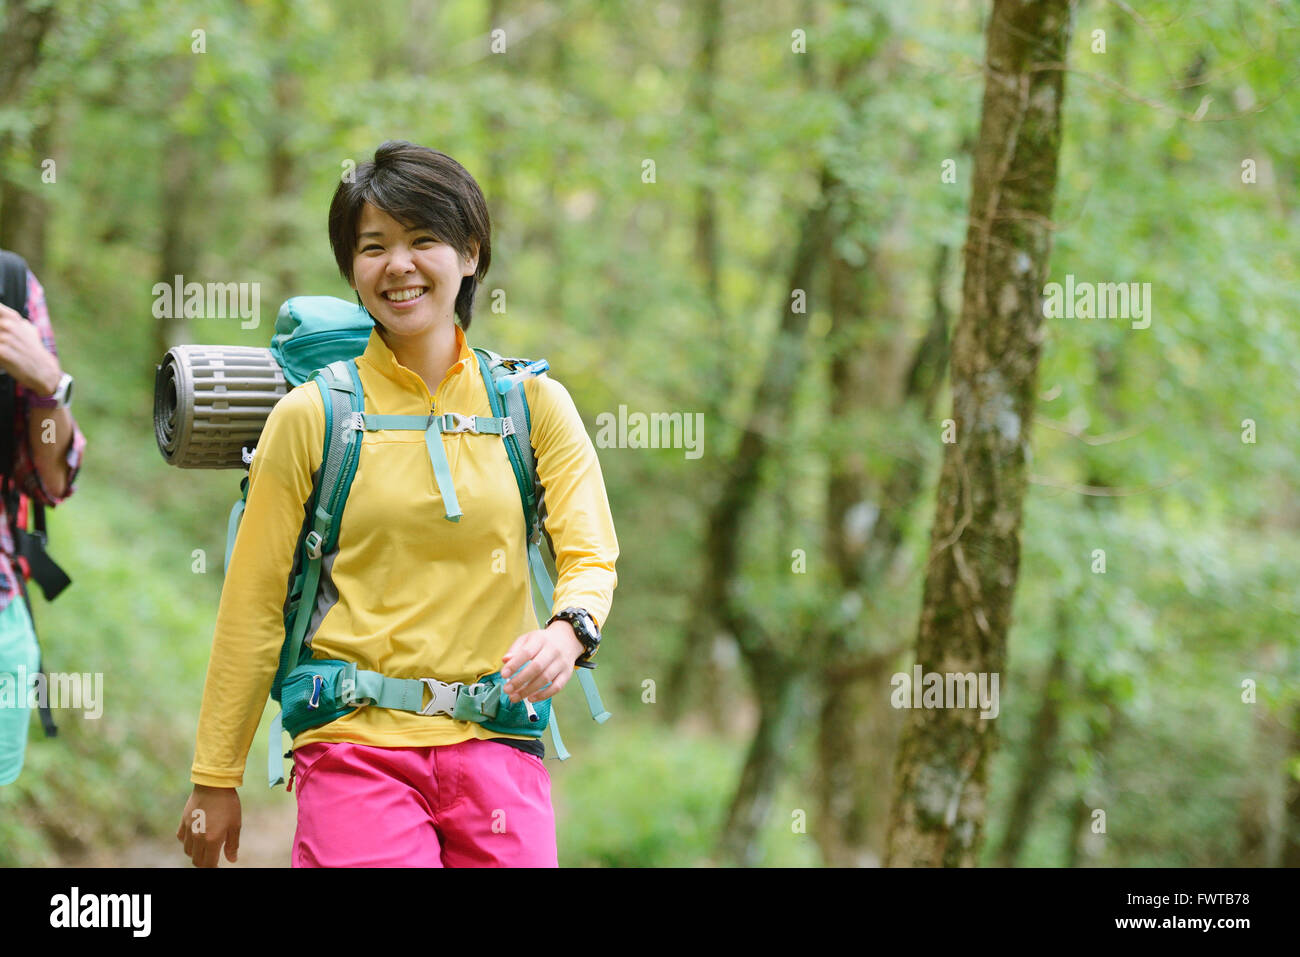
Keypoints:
pixel 418 187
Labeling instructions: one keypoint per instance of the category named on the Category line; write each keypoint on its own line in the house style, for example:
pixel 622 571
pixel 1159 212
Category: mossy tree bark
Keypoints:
pixel 941 770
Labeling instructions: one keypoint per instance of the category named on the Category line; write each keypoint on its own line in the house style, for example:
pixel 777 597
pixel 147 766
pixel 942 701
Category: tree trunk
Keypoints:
pixel 282 159
pixel 177 249
pixel 23 213
pixel 495 181
pixel 1081 842
pixel 857 728
pixel 695 665
pixel 706 203
pixel 773 660
pixel 941 772
pixel 1291 812
pixel 779 687
pixel 1036 768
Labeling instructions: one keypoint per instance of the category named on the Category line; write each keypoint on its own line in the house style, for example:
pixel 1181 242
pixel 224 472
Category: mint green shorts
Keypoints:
pixel 17 651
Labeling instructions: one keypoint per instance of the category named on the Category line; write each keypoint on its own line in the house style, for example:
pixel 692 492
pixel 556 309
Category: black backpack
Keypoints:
pixel 28 546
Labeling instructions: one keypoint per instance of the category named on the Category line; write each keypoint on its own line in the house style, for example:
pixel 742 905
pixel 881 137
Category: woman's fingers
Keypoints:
pixel 546 681
pixel 542 670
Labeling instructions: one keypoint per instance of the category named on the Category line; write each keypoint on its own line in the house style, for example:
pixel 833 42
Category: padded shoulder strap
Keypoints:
pixel 340 387
pixel 503 380
pixel 341 390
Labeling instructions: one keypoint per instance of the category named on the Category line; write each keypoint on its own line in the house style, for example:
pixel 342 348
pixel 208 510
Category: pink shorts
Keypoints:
pixel 473 804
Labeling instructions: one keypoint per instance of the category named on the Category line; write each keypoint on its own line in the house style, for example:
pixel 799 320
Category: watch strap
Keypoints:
pixel 574 617
pixel 58 399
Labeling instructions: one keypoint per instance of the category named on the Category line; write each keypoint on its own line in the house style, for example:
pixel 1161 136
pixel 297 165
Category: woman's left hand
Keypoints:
pixel 547 657
pixel 24 356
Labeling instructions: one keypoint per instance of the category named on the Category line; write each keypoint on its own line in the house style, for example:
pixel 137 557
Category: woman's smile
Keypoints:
pixel 405 297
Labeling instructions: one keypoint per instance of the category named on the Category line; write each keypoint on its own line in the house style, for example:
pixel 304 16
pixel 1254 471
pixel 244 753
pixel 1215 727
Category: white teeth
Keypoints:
pixel 405 294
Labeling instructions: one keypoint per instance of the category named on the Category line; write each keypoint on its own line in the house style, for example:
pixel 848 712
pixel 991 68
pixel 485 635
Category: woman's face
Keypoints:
pixel 407 278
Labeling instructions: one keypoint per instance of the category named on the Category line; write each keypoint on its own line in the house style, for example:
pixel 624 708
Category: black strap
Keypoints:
pixel 43 703
pixel 45 571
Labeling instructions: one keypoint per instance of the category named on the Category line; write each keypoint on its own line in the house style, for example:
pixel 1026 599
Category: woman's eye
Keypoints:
pixel 426 239
pixel 370 247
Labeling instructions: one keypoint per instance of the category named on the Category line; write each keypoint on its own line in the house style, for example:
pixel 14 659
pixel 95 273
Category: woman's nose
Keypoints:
pixel 399 262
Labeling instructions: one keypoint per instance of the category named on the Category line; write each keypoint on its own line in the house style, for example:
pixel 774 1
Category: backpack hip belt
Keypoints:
pixel 322 690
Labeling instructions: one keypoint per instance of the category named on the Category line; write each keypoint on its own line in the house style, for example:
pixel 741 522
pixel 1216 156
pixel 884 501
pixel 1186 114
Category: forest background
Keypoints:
pixel 756 212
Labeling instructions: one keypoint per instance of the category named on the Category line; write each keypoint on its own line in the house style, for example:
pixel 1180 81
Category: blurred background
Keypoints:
pixel 663 177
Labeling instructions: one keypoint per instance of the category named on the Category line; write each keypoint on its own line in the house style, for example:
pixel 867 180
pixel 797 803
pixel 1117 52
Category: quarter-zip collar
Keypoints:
pixel 380 357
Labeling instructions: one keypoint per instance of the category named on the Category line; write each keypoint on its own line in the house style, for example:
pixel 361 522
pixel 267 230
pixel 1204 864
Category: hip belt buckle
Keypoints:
pixel 444 696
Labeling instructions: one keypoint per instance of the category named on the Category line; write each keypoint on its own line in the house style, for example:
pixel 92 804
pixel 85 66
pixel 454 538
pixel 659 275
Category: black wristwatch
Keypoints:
pixel 584 626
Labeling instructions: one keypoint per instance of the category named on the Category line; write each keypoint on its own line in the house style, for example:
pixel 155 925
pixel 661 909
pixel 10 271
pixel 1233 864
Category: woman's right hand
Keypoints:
pixel 211 819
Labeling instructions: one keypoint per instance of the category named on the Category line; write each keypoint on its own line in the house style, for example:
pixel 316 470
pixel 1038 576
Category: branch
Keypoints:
pixel 1198 117
pixel 1106 439
pixel 1105 490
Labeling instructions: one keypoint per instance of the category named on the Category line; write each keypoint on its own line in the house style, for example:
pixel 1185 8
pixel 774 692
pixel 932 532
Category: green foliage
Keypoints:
pixel 602 273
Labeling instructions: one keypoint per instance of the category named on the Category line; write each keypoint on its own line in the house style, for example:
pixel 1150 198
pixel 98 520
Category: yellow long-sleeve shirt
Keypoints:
pixel 413 594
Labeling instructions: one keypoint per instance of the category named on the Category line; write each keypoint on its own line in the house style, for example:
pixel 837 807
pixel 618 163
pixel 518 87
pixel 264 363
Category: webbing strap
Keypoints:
pixel 442 475
pixel 232 527
pixel 404 694
pixel 452 422
pixel 372 422
pixel 560 751
pixel 274 757
pixel 585 677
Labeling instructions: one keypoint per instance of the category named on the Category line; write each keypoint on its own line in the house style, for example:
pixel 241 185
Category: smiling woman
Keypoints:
pixel 422 190
pixel 428 582
pixel 412 236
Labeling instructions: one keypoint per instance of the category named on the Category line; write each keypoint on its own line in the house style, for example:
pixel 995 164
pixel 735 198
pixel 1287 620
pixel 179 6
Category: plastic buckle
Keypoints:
pixel 313 541
pixel 454 422
pixel 357 421
pixel 444 696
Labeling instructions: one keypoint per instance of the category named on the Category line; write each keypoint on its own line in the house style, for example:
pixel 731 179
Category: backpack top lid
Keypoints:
pixel 313 331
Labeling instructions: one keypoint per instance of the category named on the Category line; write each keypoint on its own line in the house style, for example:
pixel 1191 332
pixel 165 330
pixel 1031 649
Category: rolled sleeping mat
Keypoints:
pixel 211 402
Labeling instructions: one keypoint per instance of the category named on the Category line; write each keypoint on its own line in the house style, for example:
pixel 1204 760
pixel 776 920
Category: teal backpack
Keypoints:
pixel 318 338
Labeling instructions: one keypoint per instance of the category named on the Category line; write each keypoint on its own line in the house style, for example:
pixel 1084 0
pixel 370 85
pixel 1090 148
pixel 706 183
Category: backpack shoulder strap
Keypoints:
pixel 500 377
pixel 340 387
pixel 344 400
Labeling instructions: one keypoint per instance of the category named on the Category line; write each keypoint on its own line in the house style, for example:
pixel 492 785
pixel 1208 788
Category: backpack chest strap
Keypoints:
pixel 448 422
pixel 433 426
